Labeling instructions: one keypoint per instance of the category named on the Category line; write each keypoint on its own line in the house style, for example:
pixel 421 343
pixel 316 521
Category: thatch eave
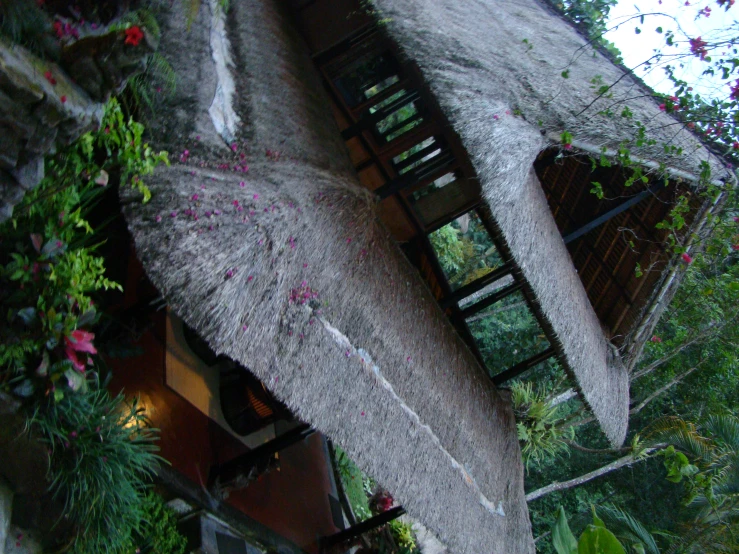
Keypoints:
pixel 369 358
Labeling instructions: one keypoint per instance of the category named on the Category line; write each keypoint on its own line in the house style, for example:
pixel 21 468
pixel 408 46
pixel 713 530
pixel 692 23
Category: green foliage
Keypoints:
pixel 595 539
pixel 449 249
pixel 24 23
pixel 591 16
pixel 48 272
pixel 101 455
pixel 402 535
pixel 536 422
pixel 354 485
pixel 158 533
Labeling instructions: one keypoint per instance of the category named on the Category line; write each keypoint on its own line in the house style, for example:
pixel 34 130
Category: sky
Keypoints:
pixel 636 48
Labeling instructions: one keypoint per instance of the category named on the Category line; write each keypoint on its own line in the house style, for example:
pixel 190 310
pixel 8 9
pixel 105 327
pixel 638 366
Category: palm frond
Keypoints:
pixel 627 528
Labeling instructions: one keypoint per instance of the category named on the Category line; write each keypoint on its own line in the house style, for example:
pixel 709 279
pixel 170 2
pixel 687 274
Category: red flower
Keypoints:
pixel 567 146
pixel 687 258
pixel 79 341
pixel 655 338
pixel 134 35
pixel 50 77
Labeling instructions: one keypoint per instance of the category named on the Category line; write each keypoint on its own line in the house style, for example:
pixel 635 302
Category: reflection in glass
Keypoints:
pixel 465 250
pixel 507 333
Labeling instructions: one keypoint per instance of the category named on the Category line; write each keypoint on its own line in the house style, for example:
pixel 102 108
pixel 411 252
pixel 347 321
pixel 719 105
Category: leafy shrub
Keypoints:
pixel 101 454
pixel 48 274
pixel 159 534
pixel 402 535
pixel 536 422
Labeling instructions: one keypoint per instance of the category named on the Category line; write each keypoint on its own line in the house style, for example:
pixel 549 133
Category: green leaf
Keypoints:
pixel 566 74
pixel 563 540
pixel 599 540
pixel 75 379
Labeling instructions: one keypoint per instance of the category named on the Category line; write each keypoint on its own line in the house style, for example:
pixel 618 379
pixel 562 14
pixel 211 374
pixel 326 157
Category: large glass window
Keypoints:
pixel 399 113
pixel 447 194
pixel 507 333
pixel 465 250
pixel 365 78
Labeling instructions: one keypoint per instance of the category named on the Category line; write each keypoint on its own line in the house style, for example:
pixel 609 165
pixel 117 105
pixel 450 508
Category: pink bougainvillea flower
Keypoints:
pixel 50 77
pixel 655 338
pixel 663 108
pixel 242 184
pixel 567 146
pixel 195 197
pixel 698 47
pixel 134 35
pixel 79 341
pixel 687 258
pixel 158 218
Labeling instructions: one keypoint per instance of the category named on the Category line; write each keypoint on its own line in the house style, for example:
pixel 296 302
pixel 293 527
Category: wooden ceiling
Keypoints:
pixel 610 257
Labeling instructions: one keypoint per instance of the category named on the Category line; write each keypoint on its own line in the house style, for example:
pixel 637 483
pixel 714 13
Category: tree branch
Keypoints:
pixel 636 409
pixel 608 468
pixel 708 331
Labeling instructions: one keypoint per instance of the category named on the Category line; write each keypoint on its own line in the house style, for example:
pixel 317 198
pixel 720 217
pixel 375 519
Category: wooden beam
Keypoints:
pixel 492 299
pixel 612 213
pixel 230 470
pixel 523 366
pixel 361 528
pixel 476 285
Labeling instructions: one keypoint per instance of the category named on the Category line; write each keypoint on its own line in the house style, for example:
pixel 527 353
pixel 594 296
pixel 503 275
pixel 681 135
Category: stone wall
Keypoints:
pixel 46 105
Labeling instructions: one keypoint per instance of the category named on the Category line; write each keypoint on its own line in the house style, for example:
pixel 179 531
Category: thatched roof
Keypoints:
pixel 486 62
pixel 285 269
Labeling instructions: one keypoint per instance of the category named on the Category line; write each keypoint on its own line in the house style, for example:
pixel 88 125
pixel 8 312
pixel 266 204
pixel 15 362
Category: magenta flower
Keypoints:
pixel 687 258
pixel 79 341
pixel 242 184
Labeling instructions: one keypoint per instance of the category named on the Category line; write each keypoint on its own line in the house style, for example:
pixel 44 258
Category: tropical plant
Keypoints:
pixel 49 272
pixel 101 455
pixel 158 533
pixel 536 422
pixel 595 539
pixel 706 460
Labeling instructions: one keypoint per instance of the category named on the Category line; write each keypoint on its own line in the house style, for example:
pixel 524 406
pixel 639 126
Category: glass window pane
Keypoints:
pixel 486 291
pixel 365 78
pixel 413 149
pixel 507 333
pixel 465 250
pixel 404 113
pixel 447 194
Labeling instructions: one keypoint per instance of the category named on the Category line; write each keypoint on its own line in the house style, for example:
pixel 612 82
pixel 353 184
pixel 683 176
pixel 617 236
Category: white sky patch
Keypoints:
pixel 637 48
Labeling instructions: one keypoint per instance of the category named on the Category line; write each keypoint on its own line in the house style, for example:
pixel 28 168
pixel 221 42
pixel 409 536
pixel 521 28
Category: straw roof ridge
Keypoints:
pixel 264 264
pixel 369 358
pixel 582 30
pixel 478 47
pixel 467 53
